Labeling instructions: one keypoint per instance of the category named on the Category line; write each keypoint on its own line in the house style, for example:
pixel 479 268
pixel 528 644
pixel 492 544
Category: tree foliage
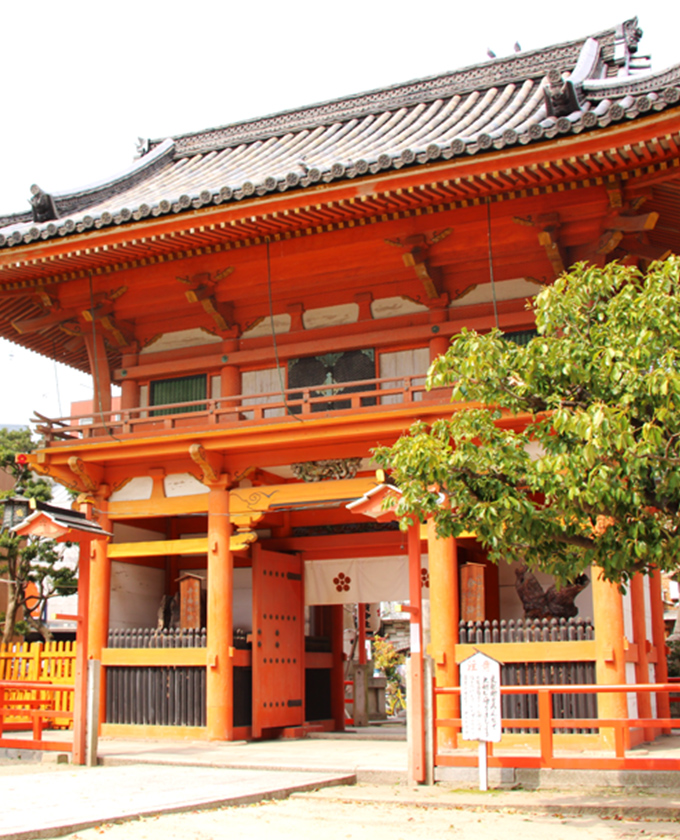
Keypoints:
pixel 33 567
pixel 564 452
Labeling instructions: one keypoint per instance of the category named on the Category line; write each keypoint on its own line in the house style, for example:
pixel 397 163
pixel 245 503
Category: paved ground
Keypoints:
pixel 36 804
pixel 384 760
pixel 49 800
pixel 152 777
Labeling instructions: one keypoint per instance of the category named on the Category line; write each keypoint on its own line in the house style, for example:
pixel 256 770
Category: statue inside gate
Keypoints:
pixel 549 603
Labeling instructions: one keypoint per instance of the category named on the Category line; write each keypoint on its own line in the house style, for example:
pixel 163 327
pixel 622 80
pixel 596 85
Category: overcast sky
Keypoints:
pixel 83 80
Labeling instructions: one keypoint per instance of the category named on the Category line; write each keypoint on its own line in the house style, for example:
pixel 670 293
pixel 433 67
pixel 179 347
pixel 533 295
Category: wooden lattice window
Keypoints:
pixel 182 389
pixel 521 337
pixel 333 369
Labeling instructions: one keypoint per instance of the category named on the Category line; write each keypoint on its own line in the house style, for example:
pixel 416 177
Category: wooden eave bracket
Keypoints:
pixel 417 257
pixel 209 463
pixel 617 225
pixel 202 290
pixel 89 476
pixel 548 225
pixel 245 533
pixel 54 318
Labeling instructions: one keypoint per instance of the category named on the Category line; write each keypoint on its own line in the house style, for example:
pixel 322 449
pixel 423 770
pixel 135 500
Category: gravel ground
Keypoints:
pixel 303 818
pixel 312 816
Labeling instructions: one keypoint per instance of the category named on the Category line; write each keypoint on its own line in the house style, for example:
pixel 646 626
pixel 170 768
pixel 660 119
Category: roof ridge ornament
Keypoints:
pixel 561 98
pixel 42 205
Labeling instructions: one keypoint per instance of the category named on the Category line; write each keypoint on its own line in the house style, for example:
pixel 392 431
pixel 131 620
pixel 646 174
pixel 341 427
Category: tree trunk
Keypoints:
pixel 11 613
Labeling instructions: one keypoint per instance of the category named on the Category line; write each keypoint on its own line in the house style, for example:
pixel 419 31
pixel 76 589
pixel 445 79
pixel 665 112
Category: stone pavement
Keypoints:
pixel 48 804
pixel 141 777
pixel 370 761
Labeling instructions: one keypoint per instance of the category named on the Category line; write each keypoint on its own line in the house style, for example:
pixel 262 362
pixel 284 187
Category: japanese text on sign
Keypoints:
pixel 480 698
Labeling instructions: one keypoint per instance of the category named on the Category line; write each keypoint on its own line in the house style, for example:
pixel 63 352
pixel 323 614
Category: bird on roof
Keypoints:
pixel 516 47
pixel 490 53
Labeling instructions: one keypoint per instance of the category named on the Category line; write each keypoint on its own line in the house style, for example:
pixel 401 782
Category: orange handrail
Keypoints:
pixel 384 393
pixel 38 710
pixel 547 725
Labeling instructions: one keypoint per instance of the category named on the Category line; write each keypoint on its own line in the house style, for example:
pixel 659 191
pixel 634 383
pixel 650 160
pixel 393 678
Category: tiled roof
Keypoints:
pixel 510 102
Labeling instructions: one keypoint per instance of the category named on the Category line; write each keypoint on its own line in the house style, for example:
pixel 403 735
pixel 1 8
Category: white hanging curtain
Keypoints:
pixel 359 580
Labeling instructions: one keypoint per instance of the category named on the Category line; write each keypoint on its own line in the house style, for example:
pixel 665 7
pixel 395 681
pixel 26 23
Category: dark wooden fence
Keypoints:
pixel 172 696
pixel 565 705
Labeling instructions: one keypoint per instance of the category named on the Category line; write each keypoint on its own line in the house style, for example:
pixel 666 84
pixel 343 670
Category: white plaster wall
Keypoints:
pixel 266 381
pixel 404 363
pixel 136 593
pixel 124 532
pixel 630 666
pixel 138 488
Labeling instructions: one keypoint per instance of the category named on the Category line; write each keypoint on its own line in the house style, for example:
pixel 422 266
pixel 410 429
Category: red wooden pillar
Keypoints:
pixel 101 374
pixel 338 670
pixel 438 346
pixel 80 692
pixel 610 666
pixel 230 378
pixel 444 613
pixel 219 676
pixel 361 629
pixel 644 699
pixel 99 601
pixel 129 397
pixel 663 705
pixel 417 699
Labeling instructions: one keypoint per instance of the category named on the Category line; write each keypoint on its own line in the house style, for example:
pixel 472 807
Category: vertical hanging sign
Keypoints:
pixel 480 696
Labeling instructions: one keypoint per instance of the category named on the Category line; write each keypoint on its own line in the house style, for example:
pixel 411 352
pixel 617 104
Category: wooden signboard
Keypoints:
pixel 472 595
pixel 190 602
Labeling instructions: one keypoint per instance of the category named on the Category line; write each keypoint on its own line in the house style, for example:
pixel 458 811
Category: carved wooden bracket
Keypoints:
pixel 417 256
pixel 210 464
pixel 244 534
pixel 202 290
pixel 548 225
pixel 89 476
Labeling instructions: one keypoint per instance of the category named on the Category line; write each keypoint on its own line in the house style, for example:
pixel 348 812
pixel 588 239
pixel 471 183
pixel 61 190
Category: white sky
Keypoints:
pixel 82 80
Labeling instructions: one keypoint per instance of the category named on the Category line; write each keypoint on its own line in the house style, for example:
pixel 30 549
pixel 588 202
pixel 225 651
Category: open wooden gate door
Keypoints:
pixel 278 640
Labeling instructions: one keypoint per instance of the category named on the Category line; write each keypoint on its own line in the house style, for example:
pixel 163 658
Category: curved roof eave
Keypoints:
pixel 167 181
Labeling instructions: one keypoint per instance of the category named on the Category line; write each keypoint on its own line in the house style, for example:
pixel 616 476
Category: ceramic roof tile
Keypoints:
pixel 524 98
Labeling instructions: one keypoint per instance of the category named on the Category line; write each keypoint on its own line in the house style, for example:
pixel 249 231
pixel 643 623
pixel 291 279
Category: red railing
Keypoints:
pixel 34 706
pixel 369 395
pixel 544 756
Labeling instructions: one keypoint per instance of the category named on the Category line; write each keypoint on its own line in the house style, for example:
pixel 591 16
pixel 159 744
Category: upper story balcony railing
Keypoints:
pixel 364 397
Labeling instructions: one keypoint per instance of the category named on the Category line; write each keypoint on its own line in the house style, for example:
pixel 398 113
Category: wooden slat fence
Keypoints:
pixel 165 696
pixel 48 662
pixel 565 705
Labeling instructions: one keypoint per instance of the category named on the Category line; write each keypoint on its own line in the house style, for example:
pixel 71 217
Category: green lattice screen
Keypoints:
pixel 180 390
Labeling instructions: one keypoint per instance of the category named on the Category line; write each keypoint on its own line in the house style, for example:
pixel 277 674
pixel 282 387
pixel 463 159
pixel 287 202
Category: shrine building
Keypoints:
pixel 269 295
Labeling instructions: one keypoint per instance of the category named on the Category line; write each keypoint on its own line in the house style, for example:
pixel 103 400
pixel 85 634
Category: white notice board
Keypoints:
pixel 480 698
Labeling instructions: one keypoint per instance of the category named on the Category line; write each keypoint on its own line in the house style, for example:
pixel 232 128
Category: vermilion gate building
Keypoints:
pixel 268 296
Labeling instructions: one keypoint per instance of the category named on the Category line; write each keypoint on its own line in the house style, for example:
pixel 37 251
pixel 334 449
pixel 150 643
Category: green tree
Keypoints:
pixel 564 452
pixel 29 561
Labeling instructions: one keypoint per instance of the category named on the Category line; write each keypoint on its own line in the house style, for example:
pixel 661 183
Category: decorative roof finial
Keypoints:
pixel 42 204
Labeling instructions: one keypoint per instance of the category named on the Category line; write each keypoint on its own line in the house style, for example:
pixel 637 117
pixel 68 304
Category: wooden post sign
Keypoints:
pixel 480 695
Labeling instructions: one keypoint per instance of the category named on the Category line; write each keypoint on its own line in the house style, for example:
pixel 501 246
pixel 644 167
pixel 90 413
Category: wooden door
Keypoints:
pixel 278 640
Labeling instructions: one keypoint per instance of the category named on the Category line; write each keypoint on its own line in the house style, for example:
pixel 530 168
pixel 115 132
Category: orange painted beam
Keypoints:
pixel 583 651
pixel 154 657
